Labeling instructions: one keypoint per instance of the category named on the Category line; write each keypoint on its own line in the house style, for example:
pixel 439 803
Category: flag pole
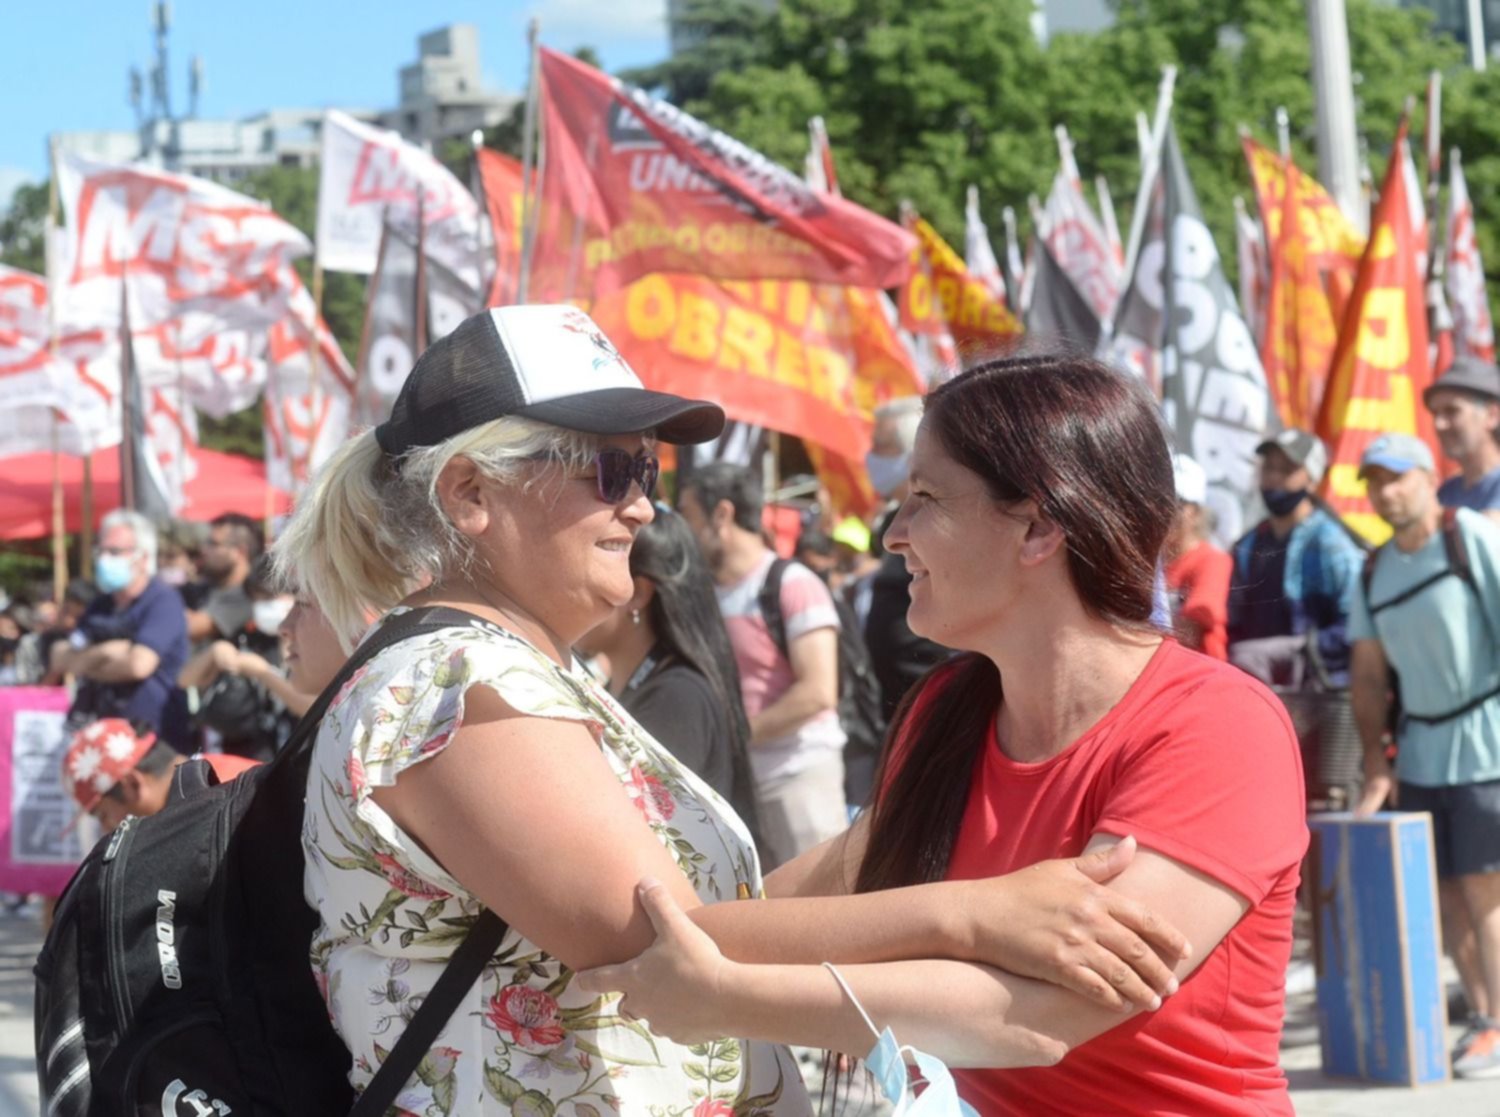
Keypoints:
pixel 59 536
pixel 1107 213
pixel 1284 133
pixel 1150 165
pixel 312 349
pixel 530 160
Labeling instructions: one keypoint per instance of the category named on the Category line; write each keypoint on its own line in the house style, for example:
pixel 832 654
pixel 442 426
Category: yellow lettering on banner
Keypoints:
pixel 715 241
pixel 1395 414
pixel 1384 246
pixel 798 299
pixel 650 308
pixel 791 361
pixel 828 374
pixel 919 297
pixel 1384 340
pixel 1344 482
pixel 948 296
pixel 972 313
pixel 748 341
pixel 696 336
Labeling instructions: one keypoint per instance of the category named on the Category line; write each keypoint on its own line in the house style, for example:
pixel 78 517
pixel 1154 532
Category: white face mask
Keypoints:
pixel 270 615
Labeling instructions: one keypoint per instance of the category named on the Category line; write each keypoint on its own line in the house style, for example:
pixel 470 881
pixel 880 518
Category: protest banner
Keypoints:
pixel 1473 326
pixel 941 297
pixel 368 176
pixel 1076 237
pixel 38 850
pixel 174 244
pixel 1179 317
pixel 633 185
pixel 503 188
pixel 806 359
pixel 979 254
pixel 1381 365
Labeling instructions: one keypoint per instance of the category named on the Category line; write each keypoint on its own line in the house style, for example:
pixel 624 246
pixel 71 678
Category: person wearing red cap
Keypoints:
pixel 115 769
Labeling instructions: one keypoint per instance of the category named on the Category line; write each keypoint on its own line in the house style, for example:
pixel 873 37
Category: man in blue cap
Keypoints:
pixel 1430 610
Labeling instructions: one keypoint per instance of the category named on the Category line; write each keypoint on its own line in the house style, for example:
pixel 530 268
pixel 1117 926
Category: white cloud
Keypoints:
pixel 10 179
pixel 602 23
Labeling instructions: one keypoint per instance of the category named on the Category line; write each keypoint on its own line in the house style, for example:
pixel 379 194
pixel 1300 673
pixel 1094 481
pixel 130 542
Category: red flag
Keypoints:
pixel 1381 365
pixel 633 185
pixel 941 297
pixel 502 180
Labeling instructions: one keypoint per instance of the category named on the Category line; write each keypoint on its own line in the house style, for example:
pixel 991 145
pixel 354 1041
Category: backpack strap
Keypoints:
pixel 1458 554
pixel 478 946
pixel 458 977
pixel 769 600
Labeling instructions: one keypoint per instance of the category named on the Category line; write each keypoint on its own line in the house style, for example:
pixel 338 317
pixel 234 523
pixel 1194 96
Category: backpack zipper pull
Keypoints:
pixel 116 838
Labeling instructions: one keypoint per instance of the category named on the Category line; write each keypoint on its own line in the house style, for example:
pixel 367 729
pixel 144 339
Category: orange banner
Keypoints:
pixel 847 482
pixel 942 297
pixel 1314 254
pixel 810 360
pixel 1381 364
pixel 500 178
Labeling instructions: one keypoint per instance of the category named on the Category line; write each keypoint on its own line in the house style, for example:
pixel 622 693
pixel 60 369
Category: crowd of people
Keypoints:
pixel 650 710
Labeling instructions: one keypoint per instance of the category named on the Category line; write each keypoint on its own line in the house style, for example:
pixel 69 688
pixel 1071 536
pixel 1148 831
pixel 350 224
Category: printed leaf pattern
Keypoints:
pixel 527 1043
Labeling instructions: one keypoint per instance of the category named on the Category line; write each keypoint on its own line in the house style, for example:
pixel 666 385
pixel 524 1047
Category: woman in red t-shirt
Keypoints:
pixel 1041 495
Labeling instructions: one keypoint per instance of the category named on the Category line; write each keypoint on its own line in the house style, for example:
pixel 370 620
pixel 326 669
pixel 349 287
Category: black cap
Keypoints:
pixel 1467 374
pixel 548 363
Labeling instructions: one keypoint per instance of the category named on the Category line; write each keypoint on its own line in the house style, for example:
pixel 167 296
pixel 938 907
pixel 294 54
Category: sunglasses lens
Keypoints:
pixel 649 471
pixel 614 475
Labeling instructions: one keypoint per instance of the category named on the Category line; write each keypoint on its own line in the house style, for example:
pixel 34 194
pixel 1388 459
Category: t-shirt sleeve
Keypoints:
pixel 162 625
pixel 806 603
pixel 229 609
pixel 1207 603
pixel 1218 787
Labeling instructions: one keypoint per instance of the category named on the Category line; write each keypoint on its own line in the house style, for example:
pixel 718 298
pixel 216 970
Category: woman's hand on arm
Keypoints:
pixel 965 1013
pixel 526 813
pixel 1056 921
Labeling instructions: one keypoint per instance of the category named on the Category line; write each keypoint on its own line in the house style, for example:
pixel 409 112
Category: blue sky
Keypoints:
pixel 66 61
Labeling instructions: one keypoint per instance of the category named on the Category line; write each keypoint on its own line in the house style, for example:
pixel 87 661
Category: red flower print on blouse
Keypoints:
pixel 406 882
pixel 650 795
pixel 708 1107
pixel 528 1016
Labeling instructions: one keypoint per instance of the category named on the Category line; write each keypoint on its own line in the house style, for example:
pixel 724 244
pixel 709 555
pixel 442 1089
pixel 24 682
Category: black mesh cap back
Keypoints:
pixel 463 380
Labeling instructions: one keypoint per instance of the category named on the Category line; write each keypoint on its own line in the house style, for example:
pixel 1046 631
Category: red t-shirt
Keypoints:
pixel 1199 578
pixel 1200 763
pixel 226 766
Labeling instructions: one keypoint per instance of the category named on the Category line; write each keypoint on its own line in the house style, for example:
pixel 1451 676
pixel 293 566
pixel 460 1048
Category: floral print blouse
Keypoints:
pixel 527 1042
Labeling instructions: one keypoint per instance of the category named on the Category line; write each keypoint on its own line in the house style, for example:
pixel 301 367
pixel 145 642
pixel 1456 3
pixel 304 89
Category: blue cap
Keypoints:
pixel 1398 453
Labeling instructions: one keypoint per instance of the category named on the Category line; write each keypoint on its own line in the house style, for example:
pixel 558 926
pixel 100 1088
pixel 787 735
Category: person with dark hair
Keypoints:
pixel 241 692
pixel 817 552
pixel 1465 406
pixel 220 607
pixel 1294 573
pixel 788 666
pixel 1041 496
pixel 671 665
pixel 115 768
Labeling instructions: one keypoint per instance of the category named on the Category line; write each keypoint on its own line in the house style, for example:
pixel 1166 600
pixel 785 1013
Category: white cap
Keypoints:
pixel 1192 482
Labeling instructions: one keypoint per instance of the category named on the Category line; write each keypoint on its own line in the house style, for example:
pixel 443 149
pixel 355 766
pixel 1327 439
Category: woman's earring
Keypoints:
pixel 635 616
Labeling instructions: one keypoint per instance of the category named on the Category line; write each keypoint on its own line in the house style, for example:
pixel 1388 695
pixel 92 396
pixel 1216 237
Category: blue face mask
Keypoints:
pixel 112 573
pixel 887 1063
pixel 887 472
pixel 1283 502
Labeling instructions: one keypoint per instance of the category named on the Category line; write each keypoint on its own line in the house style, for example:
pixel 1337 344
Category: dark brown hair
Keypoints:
pixel 1087 445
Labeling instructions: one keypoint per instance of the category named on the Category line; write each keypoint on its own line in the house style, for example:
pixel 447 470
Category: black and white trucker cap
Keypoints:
pixel 548 363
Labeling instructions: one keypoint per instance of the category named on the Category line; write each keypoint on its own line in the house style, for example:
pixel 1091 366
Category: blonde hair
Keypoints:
pixel 371 528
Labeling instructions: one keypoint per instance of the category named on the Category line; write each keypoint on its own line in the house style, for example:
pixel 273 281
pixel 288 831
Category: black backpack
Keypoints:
pixel 175 980
pixel 860 709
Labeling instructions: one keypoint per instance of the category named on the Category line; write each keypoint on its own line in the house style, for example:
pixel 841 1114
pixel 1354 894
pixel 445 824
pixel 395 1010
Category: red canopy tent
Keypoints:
pixel 225 483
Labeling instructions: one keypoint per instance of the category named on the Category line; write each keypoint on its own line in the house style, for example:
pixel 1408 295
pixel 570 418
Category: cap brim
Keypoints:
pixel 1395 465
pixel 628 410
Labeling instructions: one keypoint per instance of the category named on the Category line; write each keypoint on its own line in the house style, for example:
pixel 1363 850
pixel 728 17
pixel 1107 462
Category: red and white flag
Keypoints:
pixel 819 170
pixel 368 175
pixel 1473 326
pixel 979 255
pixel 633 185
pixel 1076 238
pixel 175 244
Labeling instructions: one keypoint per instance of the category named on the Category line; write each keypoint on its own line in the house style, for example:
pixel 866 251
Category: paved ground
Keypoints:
pixel 1313 1093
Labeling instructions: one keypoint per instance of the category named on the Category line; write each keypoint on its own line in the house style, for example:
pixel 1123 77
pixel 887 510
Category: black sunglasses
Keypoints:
pixel 617 468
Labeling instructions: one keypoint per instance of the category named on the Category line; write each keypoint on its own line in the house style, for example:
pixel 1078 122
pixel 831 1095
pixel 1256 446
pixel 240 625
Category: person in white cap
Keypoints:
pixel 478 767
pixel 1430 610
pixel 1197 571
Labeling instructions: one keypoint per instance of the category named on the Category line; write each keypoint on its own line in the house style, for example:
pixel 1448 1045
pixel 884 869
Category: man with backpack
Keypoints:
pixel 790 678
pixel 1428 611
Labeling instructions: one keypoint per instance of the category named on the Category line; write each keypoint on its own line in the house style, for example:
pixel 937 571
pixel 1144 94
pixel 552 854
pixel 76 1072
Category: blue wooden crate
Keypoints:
pixel 1382 1009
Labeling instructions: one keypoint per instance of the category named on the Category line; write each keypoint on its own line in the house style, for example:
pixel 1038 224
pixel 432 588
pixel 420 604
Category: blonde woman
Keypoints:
pixel 475 767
